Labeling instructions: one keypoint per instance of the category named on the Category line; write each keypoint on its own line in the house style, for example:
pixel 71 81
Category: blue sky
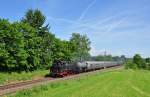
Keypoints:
pixel 117 26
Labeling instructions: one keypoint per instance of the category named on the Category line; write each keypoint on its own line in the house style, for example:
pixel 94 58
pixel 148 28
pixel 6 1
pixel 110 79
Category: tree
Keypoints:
pixel 29 45
pixel 147 60
pixel 46 49
pixel 103 58
pixel 13 56
pixel 130 65
pixel 147 63
pixel 4 54
pixel 61 50
pixel 123 58
pixel 32 45
pixel 137 59
pixel 80 46
pixel 116 58
pixel 35 18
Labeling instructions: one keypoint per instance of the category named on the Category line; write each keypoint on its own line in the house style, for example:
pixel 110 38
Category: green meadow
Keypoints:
pixel 119 83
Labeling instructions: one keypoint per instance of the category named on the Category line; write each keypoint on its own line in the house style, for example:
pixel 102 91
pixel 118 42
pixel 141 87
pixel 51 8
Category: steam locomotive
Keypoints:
pixel 62 68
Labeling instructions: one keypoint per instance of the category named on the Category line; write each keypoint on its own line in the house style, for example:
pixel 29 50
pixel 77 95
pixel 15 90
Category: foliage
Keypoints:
pixel 13 55
pixel 44 38
pixel 61 50
pixel 147 60
pixel 80 46
pixel 138 63
pixel 28 45
pixel 109 58
pixel 35 18
pixel 147 63
pixel 137 59
pixel 103 58
pixel 131 65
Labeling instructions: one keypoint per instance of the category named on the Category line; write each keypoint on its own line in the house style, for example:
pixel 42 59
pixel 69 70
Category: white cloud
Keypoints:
pixel 103 33
pixel 86 10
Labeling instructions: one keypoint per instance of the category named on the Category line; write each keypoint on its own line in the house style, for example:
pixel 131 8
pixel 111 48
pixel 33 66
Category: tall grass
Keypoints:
pixel 14 77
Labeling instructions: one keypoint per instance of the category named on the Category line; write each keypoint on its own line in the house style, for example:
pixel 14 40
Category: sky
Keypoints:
pixel 119 27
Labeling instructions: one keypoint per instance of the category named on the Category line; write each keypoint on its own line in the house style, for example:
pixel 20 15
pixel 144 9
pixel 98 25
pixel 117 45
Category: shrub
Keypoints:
pixel 131 65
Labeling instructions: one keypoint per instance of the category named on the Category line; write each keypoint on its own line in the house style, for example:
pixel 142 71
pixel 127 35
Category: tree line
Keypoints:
pixel 109 58
pixel 137 62
pixel 28 44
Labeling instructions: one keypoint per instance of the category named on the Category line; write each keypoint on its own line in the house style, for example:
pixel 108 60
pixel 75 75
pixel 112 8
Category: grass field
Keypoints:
pixel 121 83
pixel 14 77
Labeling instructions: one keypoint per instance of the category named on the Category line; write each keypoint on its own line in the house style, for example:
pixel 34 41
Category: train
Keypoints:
pixel 62 68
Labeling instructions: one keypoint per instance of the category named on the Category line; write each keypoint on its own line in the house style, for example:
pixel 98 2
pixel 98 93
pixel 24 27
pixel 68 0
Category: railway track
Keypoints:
pixel 8 86
pixel 12 88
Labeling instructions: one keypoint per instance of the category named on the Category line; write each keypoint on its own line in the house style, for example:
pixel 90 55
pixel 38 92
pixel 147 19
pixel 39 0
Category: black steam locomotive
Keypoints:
pixel 62 68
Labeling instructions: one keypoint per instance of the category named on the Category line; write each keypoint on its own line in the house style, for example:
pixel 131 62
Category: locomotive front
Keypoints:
pixel 57 68
pixel 62 68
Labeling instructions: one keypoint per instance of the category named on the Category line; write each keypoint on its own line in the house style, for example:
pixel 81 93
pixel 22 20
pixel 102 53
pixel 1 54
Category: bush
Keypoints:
pixel 147 66
pixel 138 63
pixel 131 65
